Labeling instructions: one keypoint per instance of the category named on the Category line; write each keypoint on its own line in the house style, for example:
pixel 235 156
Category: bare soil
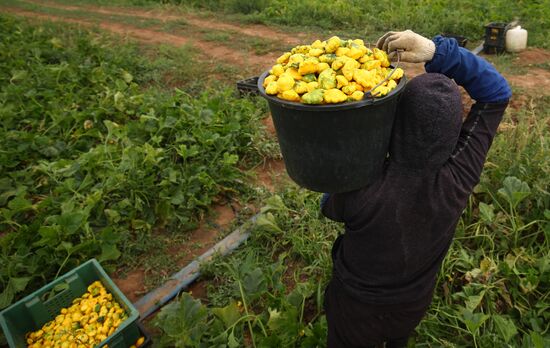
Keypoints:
pixel 245 60
pixel 132 284
pixel 258 30
pixel 271 173
pixel 199 241
pixel 536 81
pixel 534 56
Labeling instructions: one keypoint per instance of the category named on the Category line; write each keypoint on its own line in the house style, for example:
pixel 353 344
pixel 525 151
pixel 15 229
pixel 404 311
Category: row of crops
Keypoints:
pixel 91 161
pixel 96 157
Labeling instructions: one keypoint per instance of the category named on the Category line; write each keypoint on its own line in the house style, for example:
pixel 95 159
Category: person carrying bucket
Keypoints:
pixel 399 228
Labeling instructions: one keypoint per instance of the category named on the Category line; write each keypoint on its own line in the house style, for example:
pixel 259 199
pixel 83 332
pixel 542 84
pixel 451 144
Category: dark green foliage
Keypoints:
pixel 91 162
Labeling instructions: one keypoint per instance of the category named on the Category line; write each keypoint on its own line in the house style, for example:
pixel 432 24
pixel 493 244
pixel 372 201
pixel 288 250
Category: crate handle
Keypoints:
pixel 56 291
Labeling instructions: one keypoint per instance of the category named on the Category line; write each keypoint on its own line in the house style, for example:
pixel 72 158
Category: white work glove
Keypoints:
pixel 413 48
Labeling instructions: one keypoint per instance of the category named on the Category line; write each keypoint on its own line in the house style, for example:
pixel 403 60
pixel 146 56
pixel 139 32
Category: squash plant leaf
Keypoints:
pixel 505 326
pixel 267 222
pixel 486 213
pixel 472 320
pixel 537 340
pixel 514 190
pixel 184 320
pixel 14 286
pixel 228 314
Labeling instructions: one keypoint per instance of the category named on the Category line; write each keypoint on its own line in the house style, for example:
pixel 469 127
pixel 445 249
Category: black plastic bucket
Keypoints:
pixel 334 148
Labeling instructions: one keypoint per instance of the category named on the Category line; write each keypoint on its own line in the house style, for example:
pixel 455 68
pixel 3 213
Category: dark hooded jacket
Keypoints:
pixel 398 229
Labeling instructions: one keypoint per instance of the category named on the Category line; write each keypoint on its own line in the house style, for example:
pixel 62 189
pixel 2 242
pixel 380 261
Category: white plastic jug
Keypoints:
pixel 516 39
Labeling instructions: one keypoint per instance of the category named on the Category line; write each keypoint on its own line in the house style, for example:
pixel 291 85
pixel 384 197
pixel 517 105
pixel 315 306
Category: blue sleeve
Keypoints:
pixel 478 77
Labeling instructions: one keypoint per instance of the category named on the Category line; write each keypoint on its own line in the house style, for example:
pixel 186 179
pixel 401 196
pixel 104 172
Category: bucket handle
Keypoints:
pixel 369 94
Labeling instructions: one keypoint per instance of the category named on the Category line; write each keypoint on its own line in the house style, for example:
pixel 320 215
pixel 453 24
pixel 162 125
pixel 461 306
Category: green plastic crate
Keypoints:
pixel 33 311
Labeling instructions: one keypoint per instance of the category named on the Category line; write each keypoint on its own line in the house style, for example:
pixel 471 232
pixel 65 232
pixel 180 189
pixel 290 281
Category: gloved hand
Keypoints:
pixel 414 48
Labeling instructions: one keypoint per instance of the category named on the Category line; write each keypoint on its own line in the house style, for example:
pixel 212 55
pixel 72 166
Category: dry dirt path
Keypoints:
pixel 257 30
pixel 246 60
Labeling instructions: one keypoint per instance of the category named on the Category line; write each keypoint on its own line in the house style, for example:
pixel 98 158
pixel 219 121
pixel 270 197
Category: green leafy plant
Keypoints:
pixel 92 161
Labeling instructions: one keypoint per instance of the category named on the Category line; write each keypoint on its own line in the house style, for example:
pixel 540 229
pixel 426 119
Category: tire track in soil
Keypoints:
pixel 256 30
pixel 243 60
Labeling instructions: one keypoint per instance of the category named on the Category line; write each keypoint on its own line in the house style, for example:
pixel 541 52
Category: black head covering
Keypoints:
pixel 428 122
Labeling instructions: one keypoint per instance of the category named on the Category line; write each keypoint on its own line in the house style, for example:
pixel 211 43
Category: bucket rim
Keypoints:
pixel 331 107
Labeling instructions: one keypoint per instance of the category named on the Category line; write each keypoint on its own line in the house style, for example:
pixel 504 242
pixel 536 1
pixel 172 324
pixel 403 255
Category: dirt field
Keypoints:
pixel 525 72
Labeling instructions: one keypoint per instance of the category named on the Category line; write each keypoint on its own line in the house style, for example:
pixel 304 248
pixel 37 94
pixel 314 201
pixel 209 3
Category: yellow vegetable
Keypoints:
pixel 332 44
pixel 341 81
pixel 342 51
pixel 380 91
pixel 327 79
pixel 365 78
pixel 272 88
pixel 356 51
pixel 334 96
pixel 290 95
pixel 391 84
pixel 296 59
pixel 269 79
pixel 315 96
pixel 327 58
pixel 318 44
pixel 371 64
pixel 312 85
pixel 357 86
pixel 349 89
pixel 293 73
pixel 381 56
pixel 79 324
pixel 322 67
pixel 339 62
pixel 284 58
pixel 300 87
pixel 366 58
pixel 357 95
pixel 307 67
pixel 397 74
pixel 140 341
pixel 316 52
pixel 302 49
pixel 331 71
pixel 277 70
pixel 285 83
pixel 349 67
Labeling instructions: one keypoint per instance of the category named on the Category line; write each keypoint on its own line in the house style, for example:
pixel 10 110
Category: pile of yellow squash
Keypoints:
pixel 330 72
pixel 89 320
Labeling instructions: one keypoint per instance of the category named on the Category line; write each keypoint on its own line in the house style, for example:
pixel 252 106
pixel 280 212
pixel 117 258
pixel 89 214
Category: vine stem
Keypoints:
pixel 247 313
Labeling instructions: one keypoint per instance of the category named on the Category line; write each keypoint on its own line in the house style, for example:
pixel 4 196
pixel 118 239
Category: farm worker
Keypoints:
pixel 398 229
